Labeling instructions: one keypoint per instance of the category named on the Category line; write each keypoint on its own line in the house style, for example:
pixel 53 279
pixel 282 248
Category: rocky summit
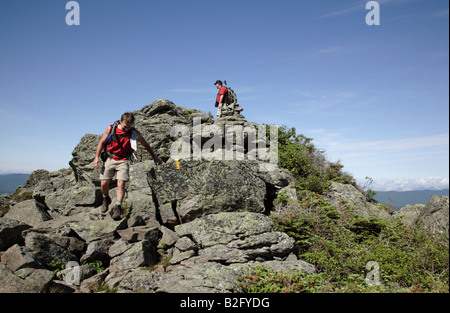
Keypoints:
pixel 191 225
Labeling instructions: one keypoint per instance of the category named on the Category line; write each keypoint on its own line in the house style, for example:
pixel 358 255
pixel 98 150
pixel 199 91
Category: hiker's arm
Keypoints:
pixel 147 147
pixel 220 102
pixel 100 146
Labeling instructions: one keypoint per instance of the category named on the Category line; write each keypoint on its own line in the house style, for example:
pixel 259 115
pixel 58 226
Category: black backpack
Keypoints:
pixel 232 98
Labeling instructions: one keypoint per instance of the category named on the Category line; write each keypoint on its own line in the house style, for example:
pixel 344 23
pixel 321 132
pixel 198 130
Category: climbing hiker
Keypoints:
pixel 115 149
pixel 222 97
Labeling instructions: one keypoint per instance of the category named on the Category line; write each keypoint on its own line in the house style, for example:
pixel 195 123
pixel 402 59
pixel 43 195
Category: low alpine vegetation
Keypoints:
pixel 340 244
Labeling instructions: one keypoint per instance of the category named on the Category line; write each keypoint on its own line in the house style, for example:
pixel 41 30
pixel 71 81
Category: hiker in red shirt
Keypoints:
pixel 120 140
pixel 222 97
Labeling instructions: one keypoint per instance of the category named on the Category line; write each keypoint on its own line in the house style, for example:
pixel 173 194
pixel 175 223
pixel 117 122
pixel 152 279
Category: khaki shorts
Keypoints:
pixel 111 167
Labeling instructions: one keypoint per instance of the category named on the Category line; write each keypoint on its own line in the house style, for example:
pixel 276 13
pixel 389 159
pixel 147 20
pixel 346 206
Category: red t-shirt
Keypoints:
pixel 121 147
pixel 222 91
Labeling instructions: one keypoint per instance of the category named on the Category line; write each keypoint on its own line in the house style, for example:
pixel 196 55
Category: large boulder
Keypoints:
pixel 434 216
pixel 347 196
pixel 155 122
pixel 82 162
pixel 237 237
pixel 29 212
pixel 200 188
pixel 11 232
pixel 21 271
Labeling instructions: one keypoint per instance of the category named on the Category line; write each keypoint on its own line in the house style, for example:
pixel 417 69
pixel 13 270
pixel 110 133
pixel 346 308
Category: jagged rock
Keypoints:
pixel 11 232
pixel 92 283
pixel 276 176
pixel 197 275
pixel 21 269
pixel 29 212
pixel 135 255
pixel 17 257
pixel 54 240
pixel 169 237
pixel 82 162
pixel 38 278
pixel 46 250
pixel 61 179
pixel 205 277
pixel 410 213
pixel 93 227
pixel 155 121
pixel 150 232
pixel 179 256
pixel 72 200
pixel 25 280
pixel 231 238
pixel 185 244
pixel 200 188
pixel 139 280
pixel 35 178
pixel 434 216
pixel 345 194
pixel 98 251
pixel 26 191
pixel 11 283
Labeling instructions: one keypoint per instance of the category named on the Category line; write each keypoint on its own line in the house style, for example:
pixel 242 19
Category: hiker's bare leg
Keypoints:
pixel 120 190
pixel 104 186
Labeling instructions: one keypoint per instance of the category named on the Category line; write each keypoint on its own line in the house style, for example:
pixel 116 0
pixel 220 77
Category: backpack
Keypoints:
pixel 114 137
pixel 232 98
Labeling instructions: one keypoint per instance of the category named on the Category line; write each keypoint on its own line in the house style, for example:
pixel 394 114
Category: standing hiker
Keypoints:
pixel 118 144
pixel 222 97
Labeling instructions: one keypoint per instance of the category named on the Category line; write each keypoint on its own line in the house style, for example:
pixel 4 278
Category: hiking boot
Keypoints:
pixel 116 212
pixel 105 204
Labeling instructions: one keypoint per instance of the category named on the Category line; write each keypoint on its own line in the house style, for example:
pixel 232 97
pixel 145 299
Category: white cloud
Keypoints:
pixel 409 183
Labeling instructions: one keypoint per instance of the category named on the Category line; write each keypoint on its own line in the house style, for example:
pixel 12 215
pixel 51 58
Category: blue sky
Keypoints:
pixel 374 97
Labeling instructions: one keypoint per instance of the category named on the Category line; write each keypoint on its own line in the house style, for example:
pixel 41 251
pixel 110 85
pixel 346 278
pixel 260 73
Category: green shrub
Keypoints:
pixel 264 280
pixel 307 164
pixel 340 245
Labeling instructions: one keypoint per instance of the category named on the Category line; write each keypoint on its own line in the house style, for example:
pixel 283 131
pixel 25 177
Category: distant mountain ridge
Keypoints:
pixel 9 182
pixel 399 199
